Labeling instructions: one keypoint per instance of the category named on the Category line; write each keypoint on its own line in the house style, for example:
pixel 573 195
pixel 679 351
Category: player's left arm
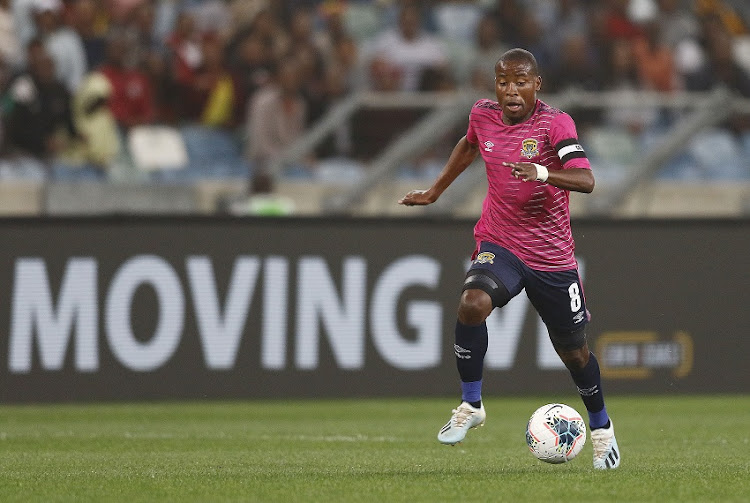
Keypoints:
pixel 576 174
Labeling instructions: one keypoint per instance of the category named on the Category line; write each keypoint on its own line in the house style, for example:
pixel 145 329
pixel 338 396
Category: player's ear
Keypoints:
pixel 538 82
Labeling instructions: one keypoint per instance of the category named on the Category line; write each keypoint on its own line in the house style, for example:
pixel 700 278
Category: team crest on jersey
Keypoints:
pixel 529 148
pixel 485 257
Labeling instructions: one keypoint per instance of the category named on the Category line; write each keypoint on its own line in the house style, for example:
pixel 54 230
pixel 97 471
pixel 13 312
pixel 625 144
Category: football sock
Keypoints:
pixel 589 383
pixel 471 392
pixel 470 348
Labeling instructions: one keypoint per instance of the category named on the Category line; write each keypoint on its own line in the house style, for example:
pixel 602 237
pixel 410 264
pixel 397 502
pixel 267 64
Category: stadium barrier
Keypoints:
pixel 191 308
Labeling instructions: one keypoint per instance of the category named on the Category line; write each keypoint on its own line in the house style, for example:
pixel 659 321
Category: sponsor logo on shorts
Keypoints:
pixel 529 148
pixel 484 258
pixel 579 317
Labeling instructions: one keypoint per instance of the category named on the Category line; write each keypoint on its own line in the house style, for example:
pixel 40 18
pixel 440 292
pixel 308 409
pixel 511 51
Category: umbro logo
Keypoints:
pixel 579 317
pixel 593 390
pixel 464 354
pixel 488 146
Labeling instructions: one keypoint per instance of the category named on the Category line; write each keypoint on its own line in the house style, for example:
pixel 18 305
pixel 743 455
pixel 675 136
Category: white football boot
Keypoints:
pixel 606 452
pixel 464 418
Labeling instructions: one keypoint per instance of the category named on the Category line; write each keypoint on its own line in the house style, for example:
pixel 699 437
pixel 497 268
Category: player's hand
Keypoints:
pixel 417 198
pixel 524 171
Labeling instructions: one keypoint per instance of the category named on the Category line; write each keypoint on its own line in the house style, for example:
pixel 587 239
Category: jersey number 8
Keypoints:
pixel 575 297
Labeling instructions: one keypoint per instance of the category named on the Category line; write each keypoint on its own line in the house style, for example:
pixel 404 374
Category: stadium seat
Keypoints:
pixel 156 148
pixel 682 166
pixel 212 153
pixel 339 170
pixel 719 155
pixel 62 172
pixel 612 151
pixel 745 142
pixel 22 168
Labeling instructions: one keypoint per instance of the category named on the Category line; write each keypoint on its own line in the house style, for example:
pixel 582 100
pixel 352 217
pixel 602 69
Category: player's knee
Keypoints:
pixel 474 307
pixel 571 347
pixel 575 360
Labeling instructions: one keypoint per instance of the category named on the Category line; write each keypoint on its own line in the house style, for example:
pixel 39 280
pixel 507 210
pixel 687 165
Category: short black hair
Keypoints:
pixel 521 55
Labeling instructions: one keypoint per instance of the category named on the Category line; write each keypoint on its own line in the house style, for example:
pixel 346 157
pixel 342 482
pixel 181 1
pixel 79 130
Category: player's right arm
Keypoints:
pixel 462 156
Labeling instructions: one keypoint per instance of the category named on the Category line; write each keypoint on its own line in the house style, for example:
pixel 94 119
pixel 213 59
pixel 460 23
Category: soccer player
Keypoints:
pixel 533 161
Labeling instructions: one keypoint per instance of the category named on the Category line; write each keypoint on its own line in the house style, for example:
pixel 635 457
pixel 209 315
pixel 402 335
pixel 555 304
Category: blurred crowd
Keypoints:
pixel 240 80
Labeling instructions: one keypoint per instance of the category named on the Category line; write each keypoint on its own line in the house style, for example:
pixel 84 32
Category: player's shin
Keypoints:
pixel 470 348
pixel 589 383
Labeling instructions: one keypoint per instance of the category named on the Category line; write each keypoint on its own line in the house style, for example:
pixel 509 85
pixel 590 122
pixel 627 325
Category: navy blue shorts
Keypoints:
pixel 556 295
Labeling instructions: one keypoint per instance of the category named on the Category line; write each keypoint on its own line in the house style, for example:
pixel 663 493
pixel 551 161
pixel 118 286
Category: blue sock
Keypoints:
pixel 471 392
pixel 598 419
pixel 470 348
pixel 589 383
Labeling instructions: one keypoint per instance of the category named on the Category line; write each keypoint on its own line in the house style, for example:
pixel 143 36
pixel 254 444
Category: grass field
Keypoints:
pixel 673 448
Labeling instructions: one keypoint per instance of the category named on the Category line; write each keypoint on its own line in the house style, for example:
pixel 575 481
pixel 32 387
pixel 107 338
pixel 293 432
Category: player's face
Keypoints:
pixel 516 85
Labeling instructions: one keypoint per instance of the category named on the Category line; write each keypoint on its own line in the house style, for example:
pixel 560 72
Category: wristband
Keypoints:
pixel 542 173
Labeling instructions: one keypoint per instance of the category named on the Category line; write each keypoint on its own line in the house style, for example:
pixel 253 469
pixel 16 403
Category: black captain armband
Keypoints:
pixel 569 149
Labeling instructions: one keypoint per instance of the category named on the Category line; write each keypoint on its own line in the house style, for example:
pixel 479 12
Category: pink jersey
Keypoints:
pixel 531 219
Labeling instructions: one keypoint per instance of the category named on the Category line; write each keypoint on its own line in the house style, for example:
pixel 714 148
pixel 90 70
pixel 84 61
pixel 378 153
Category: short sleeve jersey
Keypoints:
pixel 531 219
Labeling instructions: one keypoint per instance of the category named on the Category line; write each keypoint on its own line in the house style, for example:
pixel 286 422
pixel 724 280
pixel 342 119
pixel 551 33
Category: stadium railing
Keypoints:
pixel 623 181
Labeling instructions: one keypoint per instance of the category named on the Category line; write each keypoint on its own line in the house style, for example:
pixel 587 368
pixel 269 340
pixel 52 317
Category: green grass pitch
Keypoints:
pixel 674 448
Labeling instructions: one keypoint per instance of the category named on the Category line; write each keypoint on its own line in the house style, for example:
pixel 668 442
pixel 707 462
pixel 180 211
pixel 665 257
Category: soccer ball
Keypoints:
pixel 555 433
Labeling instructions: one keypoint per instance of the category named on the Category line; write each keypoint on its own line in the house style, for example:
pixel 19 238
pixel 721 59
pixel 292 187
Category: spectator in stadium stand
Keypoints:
pixel 617 22
pixel 383 75
pixel 726 15
pixel 340 80
pixel 139 29
pixel 331 13
pixel 569 20
pixel 252 63
pixel 654 59
pixel 575 67
pixel 531 36
pixel 23 20
pixel 276 117
pixel 62 43
pixel 507 13
pixel 676 22
pixel 312 64
pixel 621 76
pixel 267 26
pixel 132 99
pixel 11 53
pixel 408 48
pixel 723 70
pixel 37 108
pixel 184 49
pixel 717 66
pixel 157 71
pixel 523 240
pixel 243 13
pixel 213 17
pixel 97 126
pixel 214 98
pixel 343 64
pixel 488 44
pixel 84 16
